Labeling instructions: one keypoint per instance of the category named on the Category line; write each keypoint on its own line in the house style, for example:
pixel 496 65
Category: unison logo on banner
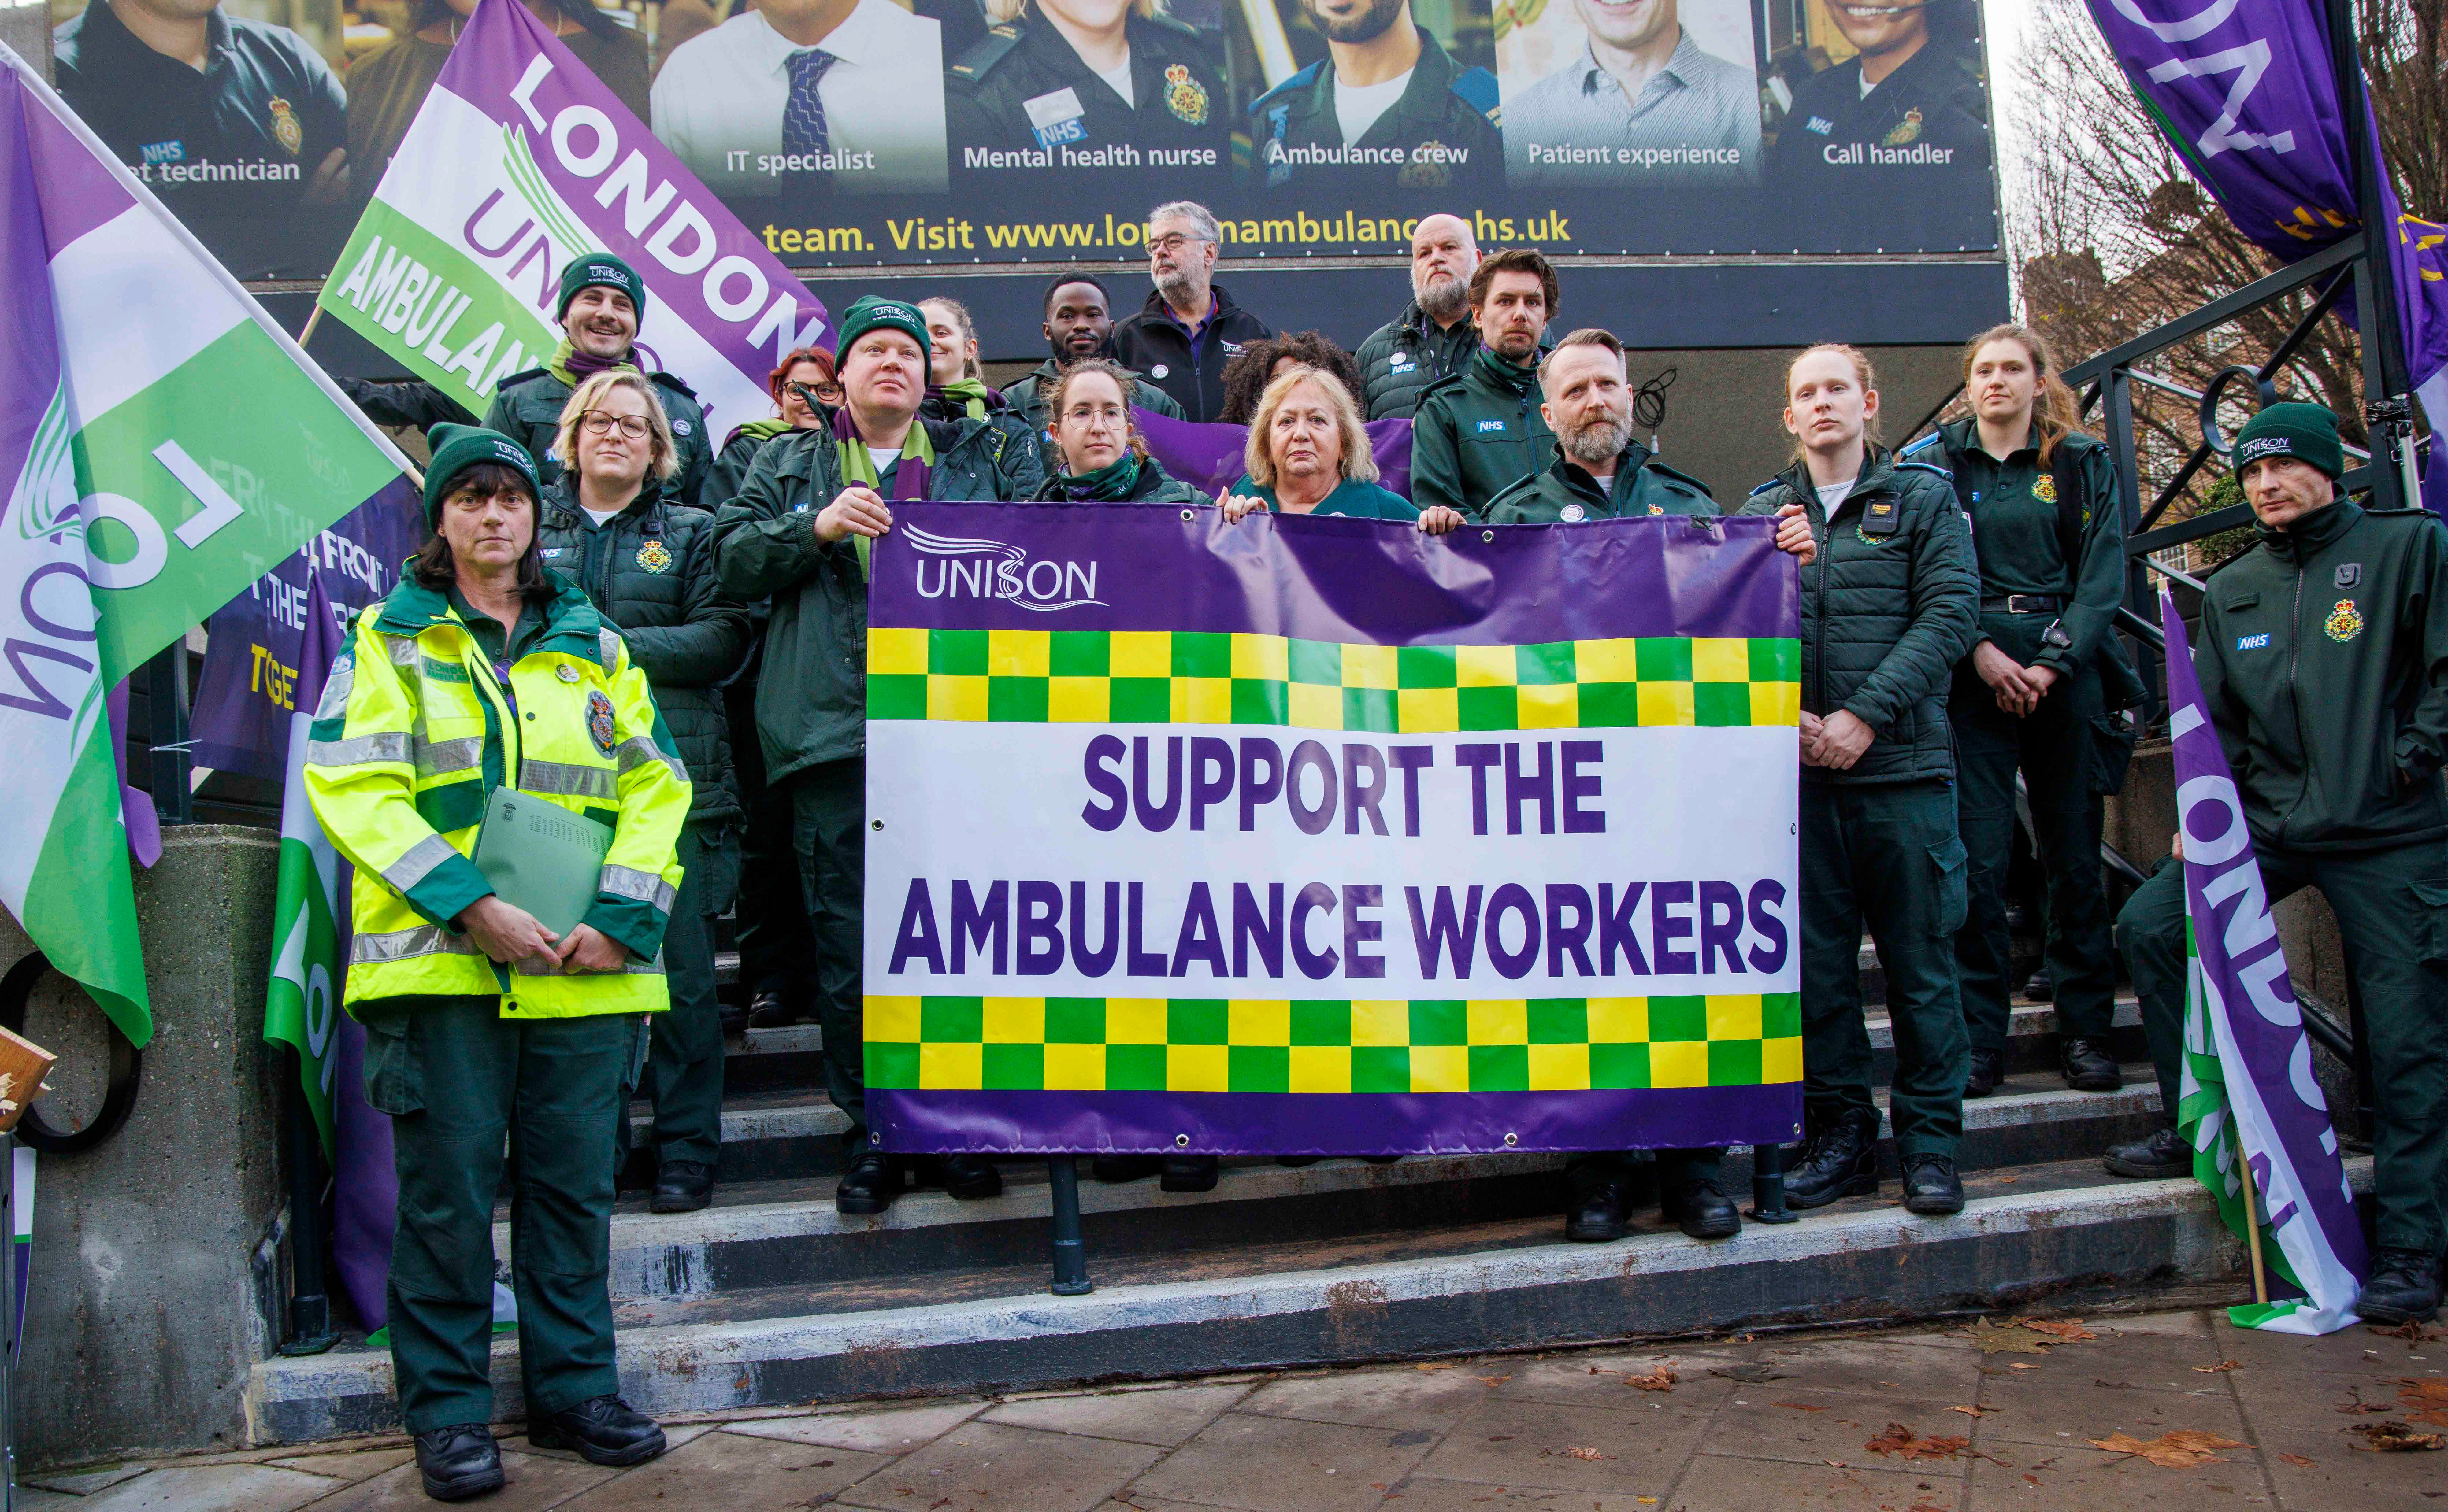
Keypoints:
pixel 997 569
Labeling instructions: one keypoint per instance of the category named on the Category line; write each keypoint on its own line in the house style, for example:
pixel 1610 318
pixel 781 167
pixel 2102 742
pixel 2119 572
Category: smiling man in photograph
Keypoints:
pixel 1640 104
pixel 1386 104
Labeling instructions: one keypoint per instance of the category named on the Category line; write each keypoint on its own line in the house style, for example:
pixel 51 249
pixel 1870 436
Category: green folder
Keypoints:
pixel 541 857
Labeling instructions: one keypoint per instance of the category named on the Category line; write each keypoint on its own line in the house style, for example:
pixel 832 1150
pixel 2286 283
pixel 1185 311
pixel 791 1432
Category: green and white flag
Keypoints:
pixel 302 1003
pixel 162 444
pixel 519 160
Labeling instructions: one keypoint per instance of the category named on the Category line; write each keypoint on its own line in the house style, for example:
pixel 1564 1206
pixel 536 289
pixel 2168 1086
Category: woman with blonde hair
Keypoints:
pixel 645 562
pixel 2050 537
pixel 1086 87
pixel 955 389
pixel 1888 607
pixel 1309 454
pixel 1088 417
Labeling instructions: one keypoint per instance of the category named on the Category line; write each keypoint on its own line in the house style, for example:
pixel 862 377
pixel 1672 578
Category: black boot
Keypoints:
pixel 682 1186
pixel 2088 1068
pixel 1931 1186
pixel 1190 1173
pixel 770 1011
pixel 870 1185
pixel 459 1462
pixel 1840 1161
pixel 2163 1155
pixel 1111 1167
pixel 1982 1073
pixel 732 1017
pixel 2403 1288
pixel 969 1176
pixel 1702 1209
pixel 1597 1214
pixel 2041 987
pixel 602 1430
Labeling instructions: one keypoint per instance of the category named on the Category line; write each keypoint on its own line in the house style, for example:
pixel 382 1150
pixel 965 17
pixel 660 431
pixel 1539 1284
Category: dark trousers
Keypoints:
pixel 1586 1171
pixel 770 922
pixel 2054 748
pixel 828 831
pixel 2392 908
pixel 683 1076
pixel 458 1079
pixel 1886 855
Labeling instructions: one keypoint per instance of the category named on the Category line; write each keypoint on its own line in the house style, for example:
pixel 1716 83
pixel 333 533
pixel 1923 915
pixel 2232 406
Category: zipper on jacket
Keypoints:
pixel 1819 620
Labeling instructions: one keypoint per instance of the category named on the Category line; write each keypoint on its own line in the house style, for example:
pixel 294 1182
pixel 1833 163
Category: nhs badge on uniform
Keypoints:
pixel 1488 427
pixel 2251 642
pixel 1057 118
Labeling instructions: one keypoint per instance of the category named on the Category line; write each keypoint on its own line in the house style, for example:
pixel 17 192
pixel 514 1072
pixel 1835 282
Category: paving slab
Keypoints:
pixel 1633 1449
pixel 1878 1368
pixel 991 1467
pixel 734 1473
pixel 2088 1478
pixel 1163 1418
pixel 1287 1464
pixel 359 1466
pixel 196 1488
pixel 1775 1422
pixel 1720 1484
pixel 892 1431
pixel 536 1483
pixel 1404 1397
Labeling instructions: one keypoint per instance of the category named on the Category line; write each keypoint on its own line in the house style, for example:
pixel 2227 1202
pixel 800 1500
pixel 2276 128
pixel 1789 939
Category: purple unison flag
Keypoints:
pixel 2244 1025
pixel 1209 456
pixel 2247 95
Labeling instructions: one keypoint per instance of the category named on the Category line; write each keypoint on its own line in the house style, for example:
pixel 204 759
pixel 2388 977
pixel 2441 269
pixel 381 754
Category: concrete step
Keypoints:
pixel 763 1233
pixel 2061 1230
pixel 761 1060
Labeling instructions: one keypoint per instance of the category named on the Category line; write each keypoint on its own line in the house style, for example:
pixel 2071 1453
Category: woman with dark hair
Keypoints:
pixel 481 675
pixel 1103 456
pixel 387 86
pixel 1268 359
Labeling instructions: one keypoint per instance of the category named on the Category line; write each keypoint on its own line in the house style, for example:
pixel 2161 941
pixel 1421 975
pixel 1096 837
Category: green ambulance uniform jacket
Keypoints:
pixel 526 407
pixel 426 711
pixel 1476 433
pixel 1566 493
pixel 2018 535
pixel 1353 497
pixel 649 571
pixel 2323 660
pixel 1033 393
pixel 730 467
pixel 1888 609
pixel 1441 132
pixel 811 693
pixel 1151 485
pixel 1025 91
pixel 1401 357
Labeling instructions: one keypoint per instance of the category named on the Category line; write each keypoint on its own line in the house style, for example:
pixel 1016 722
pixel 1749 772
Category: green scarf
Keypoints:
pixel 558 365
pixel 1110 484
pixel 859 467
pixel 971 393
pixel 763 431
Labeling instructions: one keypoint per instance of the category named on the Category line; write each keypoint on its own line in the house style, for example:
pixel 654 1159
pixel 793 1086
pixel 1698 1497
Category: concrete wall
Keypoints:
pixel 154 1284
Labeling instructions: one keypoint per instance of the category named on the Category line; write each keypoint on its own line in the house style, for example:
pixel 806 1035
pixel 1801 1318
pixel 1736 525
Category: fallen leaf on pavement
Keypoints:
pixel 1494 1380
pixel 1661 1379
pixel 2179 1450
pixel 2396 1437
pixel 1586 1454
pixel 1837 1463
pixel 1975 1412
pixel 2071 1329
pixel 1798 1406
pixel 2009 1338
pixel 1752 1374
pixel 2017 1365
pixel 2010 1180
pixel 2106 1385
pixel 1436 1364
pixel 2215 1369
pixel 1899 1440
pixel 2411 1331
pixel 2298 1461
pixel 2428 1399
pixel 2029 1476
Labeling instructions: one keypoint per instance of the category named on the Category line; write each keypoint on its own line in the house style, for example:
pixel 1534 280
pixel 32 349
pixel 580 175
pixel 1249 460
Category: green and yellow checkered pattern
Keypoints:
pixel 1201 1044
pixel 1178 677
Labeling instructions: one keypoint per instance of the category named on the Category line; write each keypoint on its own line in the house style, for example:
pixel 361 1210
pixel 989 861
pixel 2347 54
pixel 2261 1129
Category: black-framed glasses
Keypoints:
pixel 599 422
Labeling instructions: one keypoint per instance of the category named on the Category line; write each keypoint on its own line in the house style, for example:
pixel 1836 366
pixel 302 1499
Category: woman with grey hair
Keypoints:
pixel 1309 454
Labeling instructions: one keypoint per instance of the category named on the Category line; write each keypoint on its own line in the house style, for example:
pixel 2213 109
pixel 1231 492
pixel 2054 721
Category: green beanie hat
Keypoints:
pixel 2307 433
pixel 457 448
pixel 870 310
pixel 606 269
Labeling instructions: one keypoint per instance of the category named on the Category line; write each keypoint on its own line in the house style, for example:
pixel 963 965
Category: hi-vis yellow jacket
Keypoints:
pixel 416 730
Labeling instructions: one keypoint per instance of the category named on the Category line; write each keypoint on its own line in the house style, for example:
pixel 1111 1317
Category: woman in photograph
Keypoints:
pixel 1091 83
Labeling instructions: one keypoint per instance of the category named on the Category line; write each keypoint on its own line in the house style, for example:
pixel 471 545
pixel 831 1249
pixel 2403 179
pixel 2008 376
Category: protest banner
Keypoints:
pixel 1310 835
pixel 2248 1096
pixel 1209 457
pixel 520 160
pixel 309 909
pixel 164 443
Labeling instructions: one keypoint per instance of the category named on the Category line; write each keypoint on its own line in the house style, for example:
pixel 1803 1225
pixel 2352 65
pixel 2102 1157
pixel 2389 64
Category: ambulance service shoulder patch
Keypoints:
pixel 1185 96
pixel 599 720
pixel 2344 622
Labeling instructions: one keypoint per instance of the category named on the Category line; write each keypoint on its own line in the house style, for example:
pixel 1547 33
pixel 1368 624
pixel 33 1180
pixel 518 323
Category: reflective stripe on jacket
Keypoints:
pixel 416 730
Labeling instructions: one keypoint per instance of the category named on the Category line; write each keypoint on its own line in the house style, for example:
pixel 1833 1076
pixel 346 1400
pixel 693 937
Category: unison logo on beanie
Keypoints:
pixel 2259 447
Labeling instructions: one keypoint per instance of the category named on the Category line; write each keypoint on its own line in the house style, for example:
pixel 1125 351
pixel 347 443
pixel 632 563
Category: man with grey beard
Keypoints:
pixel 1600 473
pixel 1189 328
pixel 1434 336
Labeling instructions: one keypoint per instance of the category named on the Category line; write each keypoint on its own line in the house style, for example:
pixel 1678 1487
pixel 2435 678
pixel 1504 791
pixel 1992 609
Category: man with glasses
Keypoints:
pixel 603 300
pixel 1190 327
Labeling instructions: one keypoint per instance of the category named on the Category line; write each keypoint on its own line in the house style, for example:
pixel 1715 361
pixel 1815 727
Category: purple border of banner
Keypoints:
pixel 1333 1123
pixel 1161 568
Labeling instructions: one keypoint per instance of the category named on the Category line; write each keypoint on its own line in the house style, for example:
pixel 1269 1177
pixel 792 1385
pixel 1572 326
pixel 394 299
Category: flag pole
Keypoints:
pixel 2251 1222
